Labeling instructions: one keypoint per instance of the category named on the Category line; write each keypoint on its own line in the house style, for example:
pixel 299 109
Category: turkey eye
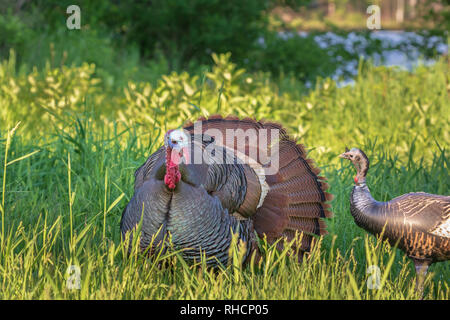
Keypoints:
pixel 174 142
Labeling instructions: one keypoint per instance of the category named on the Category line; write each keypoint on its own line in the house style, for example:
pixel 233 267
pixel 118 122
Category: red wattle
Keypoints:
pixel 356 179
pixel 173 175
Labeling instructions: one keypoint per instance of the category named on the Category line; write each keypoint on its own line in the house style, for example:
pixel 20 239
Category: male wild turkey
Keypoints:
pixel 199 203
pixel 419 221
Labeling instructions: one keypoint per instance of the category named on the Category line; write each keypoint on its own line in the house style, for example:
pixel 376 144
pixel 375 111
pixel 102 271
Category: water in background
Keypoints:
pixel 398 48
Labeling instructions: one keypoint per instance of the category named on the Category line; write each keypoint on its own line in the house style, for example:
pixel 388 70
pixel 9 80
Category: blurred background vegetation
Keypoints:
pixel 161 36
pixel 106 93
pixel 161 62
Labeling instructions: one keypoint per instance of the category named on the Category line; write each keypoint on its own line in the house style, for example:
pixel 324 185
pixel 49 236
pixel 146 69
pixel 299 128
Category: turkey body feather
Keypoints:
pixel 419 221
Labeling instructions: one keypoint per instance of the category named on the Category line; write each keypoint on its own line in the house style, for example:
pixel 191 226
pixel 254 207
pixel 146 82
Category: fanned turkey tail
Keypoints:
pixel 281 204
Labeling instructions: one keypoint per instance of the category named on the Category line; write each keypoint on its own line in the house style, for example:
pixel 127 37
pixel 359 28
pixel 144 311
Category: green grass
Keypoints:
pixel 67 173
pixel 63 207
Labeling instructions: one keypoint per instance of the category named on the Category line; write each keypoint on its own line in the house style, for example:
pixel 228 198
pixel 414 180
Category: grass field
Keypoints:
pixel 67 173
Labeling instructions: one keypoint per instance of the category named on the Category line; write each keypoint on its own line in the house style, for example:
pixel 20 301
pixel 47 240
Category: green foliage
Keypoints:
pixel 184 31
pixel 177 97
pixel 296 56
pixel 14 33
pixel 392 107
pixel 46 97
pixel 40 39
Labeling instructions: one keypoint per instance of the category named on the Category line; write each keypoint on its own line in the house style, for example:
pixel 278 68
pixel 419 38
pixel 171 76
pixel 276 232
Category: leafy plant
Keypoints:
pixel 14 34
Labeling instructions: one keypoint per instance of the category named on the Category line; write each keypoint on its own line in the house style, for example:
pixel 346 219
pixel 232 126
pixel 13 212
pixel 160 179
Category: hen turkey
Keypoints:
pixel 419 222
pixel 220 176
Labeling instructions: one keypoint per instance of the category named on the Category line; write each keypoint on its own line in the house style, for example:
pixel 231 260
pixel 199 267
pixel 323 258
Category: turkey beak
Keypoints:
pixel 344 155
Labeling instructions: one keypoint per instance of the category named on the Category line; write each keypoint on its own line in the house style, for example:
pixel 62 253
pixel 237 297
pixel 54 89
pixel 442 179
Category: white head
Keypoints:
pixel 176 140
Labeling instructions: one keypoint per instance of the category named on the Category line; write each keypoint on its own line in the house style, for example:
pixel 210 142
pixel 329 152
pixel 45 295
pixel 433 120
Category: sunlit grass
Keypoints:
pixel 63 205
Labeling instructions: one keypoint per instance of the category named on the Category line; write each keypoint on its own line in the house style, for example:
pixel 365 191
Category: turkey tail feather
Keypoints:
pixel 305 193
pixel 295 199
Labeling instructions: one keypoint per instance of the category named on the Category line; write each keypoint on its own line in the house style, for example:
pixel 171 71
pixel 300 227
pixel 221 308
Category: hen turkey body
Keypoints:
pixel 419 223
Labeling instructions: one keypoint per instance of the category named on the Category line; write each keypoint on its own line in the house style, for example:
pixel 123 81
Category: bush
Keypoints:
pixel 183 33
pixel 14 34
pixel 187 30
pixel 293 55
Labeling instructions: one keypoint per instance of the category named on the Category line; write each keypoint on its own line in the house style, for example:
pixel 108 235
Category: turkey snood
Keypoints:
pixel 173 175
